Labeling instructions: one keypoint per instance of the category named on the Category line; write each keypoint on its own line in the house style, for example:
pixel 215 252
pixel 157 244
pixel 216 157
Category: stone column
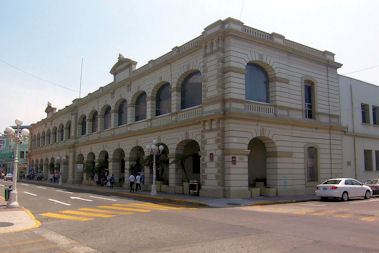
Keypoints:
pixel 126 175
pixel 46 171
pixel 115 169
pixel 171 173
pixel 65 169
pixel 71 167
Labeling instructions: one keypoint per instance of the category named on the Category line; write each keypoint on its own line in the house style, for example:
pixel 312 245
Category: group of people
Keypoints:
pixel 137 180
pixel 105 180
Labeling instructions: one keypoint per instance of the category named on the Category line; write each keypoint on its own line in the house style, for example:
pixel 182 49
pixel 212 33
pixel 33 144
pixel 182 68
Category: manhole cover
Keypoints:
pixel 6 224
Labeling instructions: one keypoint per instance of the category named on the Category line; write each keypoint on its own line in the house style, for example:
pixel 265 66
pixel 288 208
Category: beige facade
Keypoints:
pixel 290 141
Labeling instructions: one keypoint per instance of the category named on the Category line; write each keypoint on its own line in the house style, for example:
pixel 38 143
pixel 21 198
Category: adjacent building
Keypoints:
pixel 360 114
pixel 232 108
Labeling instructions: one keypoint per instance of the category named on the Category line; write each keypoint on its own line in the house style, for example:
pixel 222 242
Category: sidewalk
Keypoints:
pixel 19 219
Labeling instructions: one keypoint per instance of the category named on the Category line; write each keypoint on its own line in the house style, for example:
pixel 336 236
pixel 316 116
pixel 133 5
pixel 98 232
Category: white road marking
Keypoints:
pixel 41 187
pixel 102 198
pixel 31 194
pixel 59 202
pixel 64 191
pixel 89 200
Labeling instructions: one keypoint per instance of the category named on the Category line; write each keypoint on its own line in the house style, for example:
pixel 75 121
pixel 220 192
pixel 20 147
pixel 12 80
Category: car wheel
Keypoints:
pixel 345 196
pixel 367 195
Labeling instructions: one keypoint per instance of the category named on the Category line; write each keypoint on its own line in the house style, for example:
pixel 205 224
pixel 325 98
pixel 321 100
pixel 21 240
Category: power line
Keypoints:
pixel 37 77
pixel 243 3
pixel 361 70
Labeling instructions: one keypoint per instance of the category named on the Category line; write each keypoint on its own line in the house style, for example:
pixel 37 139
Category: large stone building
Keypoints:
pixel 232 107
pixel 360 114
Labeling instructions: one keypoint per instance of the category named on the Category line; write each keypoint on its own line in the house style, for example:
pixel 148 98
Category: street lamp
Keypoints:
pixel 17 137
pixel 153 149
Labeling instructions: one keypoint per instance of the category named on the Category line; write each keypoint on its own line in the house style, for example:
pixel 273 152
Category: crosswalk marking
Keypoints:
pixel 104 211
pixel 345 215
pixel 97 197
pixel 303 212
pixel 63 216
pixel 4 245
pixel 368 219
pixel 87 214
pixel 150 206
pixel 324 212
pixel 125 208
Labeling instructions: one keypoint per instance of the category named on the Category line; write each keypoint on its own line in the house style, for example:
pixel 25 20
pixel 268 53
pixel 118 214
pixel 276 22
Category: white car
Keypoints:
pixel 343 188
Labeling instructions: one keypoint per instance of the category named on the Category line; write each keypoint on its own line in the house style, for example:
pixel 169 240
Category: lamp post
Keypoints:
pixel 17 137
pixel 154 150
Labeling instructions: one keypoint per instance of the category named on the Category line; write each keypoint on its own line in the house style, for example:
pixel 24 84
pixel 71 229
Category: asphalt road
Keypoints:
pixel 116 224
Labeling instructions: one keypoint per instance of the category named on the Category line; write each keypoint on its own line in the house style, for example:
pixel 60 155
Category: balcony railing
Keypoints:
pixel 255 107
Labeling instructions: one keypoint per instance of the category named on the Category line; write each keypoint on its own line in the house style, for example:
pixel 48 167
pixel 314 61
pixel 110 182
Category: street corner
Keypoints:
pixel 16 220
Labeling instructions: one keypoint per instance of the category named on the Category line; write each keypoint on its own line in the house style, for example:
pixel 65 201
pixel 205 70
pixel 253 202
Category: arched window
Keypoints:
pixel 107 118
pixel 141 107
pixel 191 93
pixel 256 84
pixel 43 139
pixel 54 135
pixel 38 140
pixel 311 164
pixel 95 121
pixel 163 101
pixel 48 137
pixel 123 113
pixel 84 125
pixel 68 130
pixel 61 133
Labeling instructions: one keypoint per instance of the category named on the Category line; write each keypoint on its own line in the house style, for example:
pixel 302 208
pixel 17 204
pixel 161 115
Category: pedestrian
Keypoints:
pixel 138 182
pixel 131 181
pixel 96 179
pixel 55 177
pixel 51 178
pixel 108 181
pixel 112 181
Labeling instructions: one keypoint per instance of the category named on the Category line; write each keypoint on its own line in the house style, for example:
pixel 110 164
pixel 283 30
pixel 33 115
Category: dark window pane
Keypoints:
pixel 163 104
pixel 312 169
pixel 368 159
pixel 122 113
pixel 84 125
pixel 95 120
pixel 107 118
pixel 256 83
pixel 308 98
pixel 141 107
pixel 191 93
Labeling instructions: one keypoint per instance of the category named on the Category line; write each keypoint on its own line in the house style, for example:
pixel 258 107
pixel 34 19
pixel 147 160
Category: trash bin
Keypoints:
pixel 7 191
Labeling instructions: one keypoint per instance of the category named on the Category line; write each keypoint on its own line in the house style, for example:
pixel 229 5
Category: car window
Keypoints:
pixel 332 181
pixel 355 182
pixel 348 182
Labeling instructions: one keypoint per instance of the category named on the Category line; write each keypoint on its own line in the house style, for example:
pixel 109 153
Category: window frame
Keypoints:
pixel 107 123
pixel 367 160
pixel 139 106
pixel 159 101
pixel 365 113
pixel 183 94
pixel 254 83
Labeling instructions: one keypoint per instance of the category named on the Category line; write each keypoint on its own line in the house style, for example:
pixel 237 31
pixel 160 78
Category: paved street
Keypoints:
pixel 90 222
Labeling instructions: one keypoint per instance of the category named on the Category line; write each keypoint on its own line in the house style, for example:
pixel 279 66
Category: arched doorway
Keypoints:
pixel 257 165
pixel 89 168
pixel 102 167
pixel 188 161
pixel 118 166
pixel 137 155
pixel 79 169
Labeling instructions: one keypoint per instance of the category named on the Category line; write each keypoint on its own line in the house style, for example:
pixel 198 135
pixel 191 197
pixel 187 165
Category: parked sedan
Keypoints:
pixel 343 188
pixel 8 176
pixel 374 185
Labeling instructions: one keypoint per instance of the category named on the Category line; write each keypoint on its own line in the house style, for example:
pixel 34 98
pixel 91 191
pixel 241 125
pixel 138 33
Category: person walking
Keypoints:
pixel 131 181
pixel 111 180
pixel 138 182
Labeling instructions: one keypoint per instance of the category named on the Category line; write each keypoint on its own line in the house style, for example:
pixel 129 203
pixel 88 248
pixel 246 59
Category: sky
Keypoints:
pixel 43 42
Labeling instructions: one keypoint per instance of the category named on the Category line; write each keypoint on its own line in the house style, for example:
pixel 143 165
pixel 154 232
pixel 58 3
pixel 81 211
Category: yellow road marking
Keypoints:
pixel 125 208
pixel 177 206
pixel 87 214
pixel 346 215
pixel 66 217
pixel 324 212
pixel 104 211
pixel 38 248
pixel 280 211
pixel 303 212
pixel 22 242
pixel 368 218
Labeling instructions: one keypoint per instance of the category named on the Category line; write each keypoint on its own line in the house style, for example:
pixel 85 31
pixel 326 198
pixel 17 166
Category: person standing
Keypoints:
pixel 111 180
pixel 138 182
pixel 131 181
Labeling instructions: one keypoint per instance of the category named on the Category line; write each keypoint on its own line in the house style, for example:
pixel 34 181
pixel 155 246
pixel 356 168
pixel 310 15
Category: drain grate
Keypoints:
pixel 6 224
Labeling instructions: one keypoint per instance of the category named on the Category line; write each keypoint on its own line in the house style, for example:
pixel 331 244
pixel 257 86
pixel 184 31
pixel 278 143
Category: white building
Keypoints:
pixel 360 114
pixel 233 107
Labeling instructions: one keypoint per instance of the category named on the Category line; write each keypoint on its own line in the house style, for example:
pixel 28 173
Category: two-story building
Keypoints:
pixel 360 113
pixel 232 107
